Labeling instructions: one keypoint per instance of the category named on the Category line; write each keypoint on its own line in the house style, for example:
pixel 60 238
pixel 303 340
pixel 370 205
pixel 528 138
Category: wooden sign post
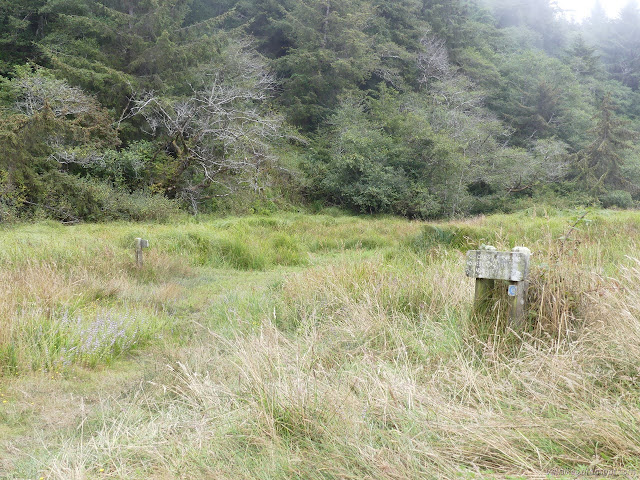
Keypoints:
pixel 140 244
pixel 488 265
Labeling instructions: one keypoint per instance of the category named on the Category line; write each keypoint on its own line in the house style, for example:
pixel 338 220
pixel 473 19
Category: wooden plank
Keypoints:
pixel 510 266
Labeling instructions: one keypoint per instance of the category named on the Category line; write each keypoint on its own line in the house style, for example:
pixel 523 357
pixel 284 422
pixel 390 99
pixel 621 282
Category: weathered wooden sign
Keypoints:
pixel 140 244
pixel 495 265
pixel 487 265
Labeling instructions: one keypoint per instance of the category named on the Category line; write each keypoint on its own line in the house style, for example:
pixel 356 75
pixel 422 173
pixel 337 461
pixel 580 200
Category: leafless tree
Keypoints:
pixel 39 90
pixel 553 155
pixel 78 156
pixel 433 61
pixel 224 126
pixel 83 126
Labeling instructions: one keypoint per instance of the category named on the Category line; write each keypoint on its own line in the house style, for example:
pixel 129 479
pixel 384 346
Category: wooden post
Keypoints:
pixel 487 265
pixel 518 292
pixel 483 296
pixel 484 286
pixel 140 244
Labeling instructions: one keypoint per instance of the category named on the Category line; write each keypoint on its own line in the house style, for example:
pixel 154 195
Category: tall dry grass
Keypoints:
pixel 60 291
pixel 49 272
pixel 373 369
pixel 374 375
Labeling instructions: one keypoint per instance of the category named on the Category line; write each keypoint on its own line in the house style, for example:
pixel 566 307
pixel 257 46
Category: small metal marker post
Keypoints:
pixel 487 265
pixel 140 244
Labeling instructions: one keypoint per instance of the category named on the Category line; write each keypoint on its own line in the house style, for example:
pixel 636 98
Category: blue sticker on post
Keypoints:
pixel 513 290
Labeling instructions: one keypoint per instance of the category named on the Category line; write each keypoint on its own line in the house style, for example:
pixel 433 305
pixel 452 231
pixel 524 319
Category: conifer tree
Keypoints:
pixel 21 21
pixel 583 58
pixel 600 163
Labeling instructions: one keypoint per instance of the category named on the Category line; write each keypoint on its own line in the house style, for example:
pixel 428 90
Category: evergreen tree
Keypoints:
pixel 21 23
pixel 330 52
pixel 539 16
pixel 584 60
pixel 541 98
pixel 599 165
pixel 113 47
pixel 623 49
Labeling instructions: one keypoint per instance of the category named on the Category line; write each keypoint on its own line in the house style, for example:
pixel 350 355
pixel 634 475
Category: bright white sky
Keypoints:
pixel 580 9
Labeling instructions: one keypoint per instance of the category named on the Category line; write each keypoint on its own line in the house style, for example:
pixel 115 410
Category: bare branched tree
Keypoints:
pixel 38 90
pixel 82 126
pixel 224 127
pixel 433 61
pixel 78 156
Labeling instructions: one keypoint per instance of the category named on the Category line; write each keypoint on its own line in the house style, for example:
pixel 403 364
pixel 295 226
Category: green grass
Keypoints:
pixel 317 347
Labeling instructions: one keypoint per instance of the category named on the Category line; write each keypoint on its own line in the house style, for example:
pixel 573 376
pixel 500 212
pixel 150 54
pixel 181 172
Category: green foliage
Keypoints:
pixel 110 47
pixel 538 16
pixel 329 51
pixel 11 198
pixel 583 58
pixel 21 22
pixel 450 236
pixel 70 198
pixel 619 41
pixel 600 163
pixel 424 108
pixel 382 159
pixel 542 99
pixel 130 167
pixel 617 198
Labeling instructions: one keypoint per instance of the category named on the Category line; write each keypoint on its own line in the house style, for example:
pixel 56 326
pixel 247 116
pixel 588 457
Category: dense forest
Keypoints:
pixel 424 108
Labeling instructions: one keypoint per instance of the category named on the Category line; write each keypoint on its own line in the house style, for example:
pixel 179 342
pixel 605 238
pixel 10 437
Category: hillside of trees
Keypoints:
pixel 424 108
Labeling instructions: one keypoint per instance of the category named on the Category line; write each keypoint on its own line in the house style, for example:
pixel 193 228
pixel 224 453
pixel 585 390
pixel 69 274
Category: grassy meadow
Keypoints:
pixel 317 347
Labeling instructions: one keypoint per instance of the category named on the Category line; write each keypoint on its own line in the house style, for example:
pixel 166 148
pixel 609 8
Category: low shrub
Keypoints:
pixel 452 236
pixel 72 199
pixel 616 198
